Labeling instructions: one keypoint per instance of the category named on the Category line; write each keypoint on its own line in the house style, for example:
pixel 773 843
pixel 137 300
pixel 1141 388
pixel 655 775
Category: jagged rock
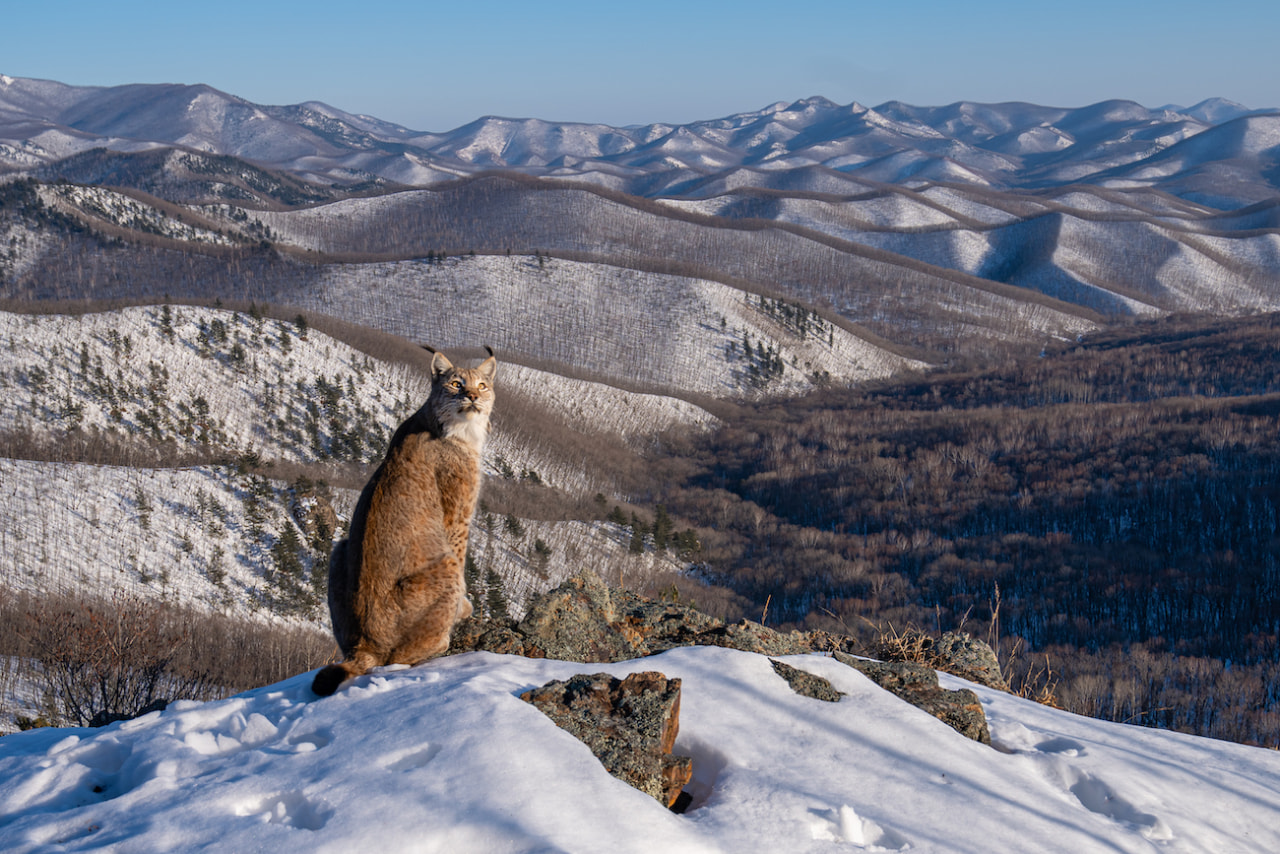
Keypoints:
pixel 957 653
pixel 585 620
pixel 475 634
pixel 629 724
pixel 918 685
pixel 822 641
pixel 752 637
pixel 806 684
pixel 962 655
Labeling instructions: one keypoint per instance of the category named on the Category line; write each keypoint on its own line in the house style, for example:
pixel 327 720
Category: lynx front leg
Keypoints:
pixel 431 602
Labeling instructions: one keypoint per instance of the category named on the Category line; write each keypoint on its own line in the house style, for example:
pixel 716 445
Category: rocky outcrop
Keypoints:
pixel 586 620
pixel 957 653
pixel 629 724
pixel 961 655
pixel 918 685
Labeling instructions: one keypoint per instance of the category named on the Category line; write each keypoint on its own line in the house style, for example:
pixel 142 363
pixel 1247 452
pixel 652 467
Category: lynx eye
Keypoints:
pixel 455 385
pixel 482 386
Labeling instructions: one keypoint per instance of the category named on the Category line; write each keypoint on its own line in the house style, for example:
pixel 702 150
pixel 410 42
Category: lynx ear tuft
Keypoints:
pixel 428 348
pixel 489 367
pixel 439 364
pixel 488 350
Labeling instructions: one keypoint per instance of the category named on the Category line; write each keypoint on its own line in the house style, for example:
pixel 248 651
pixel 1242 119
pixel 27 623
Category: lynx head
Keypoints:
pixel 462 398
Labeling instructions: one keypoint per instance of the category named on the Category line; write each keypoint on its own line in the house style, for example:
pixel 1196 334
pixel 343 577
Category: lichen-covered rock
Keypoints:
pixel 806 684
pixel 475 634
pixel 747 636
pixel 918 685
pixel 629 724
pixel 957 653
pixel 585 620
pixel 962 655
pixel 823 641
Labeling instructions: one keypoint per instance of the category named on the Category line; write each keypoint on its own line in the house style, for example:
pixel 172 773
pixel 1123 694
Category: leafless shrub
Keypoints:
pixel 107 659
pixel 909 644
pixel 112 660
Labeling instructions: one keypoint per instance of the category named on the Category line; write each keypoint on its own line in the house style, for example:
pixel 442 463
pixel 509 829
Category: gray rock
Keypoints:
pixel 918 685
pixel 806 684
pixel 969 658
pixel 629 724
pixel 586 620
pixel 957 653
pixel 752 637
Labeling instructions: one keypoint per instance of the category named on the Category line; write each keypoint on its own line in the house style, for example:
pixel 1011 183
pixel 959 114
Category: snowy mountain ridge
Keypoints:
pixel 992 225
pixel 1003 146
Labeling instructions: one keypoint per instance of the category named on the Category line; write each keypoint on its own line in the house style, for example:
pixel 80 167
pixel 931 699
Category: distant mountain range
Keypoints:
pixel 1217 152
pixel 929 234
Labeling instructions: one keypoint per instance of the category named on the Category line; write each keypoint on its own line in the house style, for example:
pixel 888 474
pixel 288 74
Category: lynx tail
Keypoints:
pixel 329 678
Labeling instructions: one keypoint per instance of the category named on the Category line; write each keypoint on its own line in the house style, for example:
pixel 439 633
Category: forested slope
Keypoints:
pixel 1113 504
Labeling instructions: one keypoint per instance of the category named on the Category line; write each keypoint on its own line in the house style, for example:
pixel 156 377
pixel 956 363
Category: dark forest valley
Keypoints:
pixel 1107 513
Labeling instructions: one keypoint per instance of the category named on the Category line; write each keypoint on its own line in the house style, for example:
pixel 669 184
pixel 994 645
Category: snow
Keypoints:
pixel 446 757
pixel 72 528
pixel 570 312
pixel 130 357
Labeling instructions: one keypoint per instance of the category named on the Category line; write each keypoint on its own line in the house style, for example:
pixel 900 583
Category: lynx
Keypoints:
pixel 396 586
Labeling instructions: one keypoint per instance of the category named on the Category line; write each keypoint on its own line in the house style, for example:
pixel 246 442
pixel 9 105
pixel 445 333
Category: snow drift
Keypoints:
pixel 446 757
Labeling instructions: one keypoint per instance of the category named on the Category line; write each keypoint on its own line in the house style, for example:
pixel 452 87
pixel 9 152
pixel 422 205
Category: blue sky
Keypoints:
pixel 434 66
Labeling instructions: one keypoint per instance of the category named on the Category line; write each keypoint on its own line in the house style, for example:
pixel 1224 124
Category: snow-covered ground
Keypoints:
pixel 120 209
pixel 445 757
pixel 199 536
pixel 199 376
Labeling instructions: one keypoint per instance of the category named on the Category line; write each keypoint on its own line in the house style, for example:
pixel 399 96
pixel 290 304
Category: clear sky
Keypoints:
pixel 433 65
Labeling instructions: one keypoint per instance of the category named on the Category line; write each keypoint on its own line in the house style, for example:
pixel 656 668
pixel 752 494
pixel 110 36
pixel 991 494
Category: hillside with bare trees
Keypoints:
pixel 1107 511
